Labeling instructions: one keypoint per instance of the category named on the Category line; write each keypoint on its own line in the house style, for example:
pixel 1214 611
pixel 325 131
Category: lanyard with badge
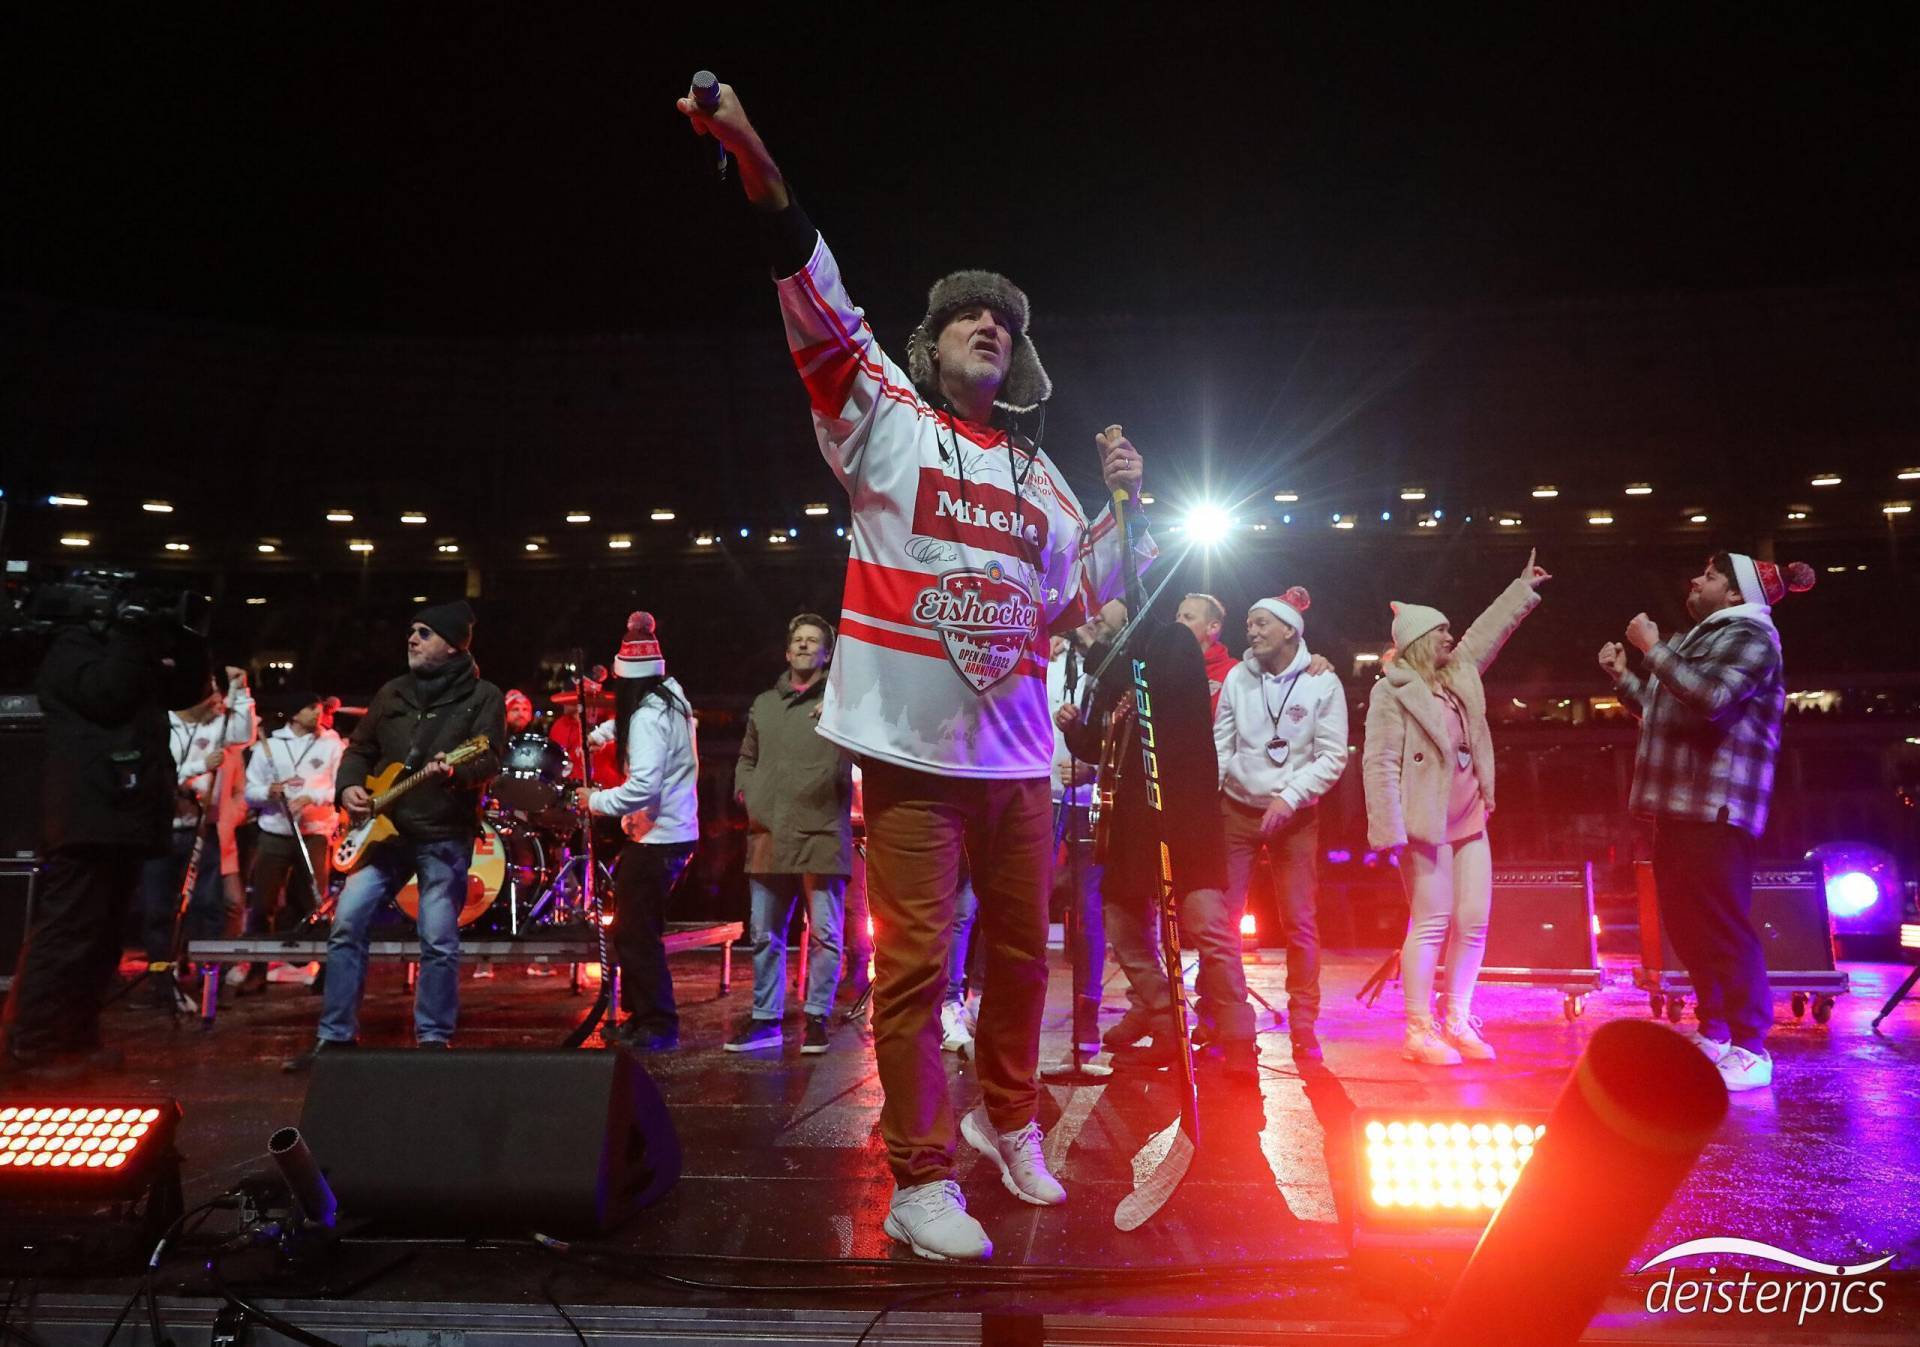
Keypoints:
pixel 1277 746
pixel 1462 753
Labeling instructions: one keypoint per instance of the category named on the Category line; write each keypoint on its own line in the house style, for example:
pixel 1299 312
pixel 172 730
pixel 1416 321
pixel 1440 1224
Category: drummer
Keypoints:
pixel 565 731
pixel 519 711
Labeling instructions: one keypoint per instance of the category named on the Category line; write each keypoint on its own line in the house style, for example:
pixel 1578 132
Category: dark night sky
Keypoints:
pixel 470 168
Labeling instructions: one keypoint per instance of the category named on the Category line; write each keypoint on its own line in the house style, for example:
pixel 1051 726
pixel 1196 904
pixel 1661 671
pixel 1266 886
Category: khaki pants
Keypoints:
pixel 921 830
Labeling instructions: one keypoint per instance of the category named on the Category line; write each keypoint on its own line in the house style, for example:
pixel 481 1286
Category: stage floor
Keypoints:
pixel 782 1159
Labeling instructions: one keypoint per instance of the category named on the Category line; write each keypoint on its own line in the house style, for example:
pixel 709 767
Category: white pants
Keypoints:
pixel 1449 895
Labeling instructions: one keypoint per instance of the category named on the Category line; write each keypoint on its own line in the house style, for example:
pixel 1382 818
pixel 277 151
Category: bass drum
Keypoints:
pixel 534 773
pixel 485 877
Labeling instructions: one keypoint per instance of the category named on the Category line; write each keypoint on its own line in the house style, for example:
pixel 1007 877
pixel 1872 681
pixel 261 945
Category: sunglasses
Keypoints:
pixel 422 632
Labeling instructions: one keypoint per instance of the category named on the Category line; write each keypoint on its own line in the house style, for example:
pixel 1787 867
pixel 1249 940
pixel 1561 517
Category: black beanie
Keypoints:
pixel 451 622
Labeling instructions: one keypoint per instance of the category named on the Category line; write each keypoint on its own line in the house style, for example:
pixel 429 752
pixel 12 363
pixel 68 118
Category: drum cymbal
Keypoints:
pixel 599 698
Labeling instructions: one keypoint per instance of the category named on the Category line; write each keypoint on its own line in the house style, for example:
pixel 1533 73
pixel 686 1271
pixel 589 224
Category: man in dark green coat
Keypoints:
pixel 798 790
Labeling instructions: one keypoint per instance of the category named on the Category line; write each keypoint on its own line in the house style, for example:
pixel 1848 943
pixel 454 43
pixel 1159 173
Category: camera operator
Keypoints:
pixel 105 686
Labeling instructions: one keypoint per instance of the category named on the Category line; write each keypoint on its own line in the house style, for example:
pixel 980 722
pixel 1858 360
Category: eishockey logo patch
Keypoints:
pixel 985 621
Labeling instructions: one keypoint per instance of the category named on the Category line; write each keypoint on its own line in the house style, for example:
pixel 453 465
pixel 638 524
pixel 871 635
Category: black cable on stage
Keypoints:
pixel 546 1288
pixel 125 1310
pixel 267 1317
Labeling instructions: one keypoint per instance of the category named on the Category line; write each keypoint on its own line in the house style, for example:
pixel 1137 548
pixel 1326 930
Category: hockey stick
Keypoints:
pixel 1161 1164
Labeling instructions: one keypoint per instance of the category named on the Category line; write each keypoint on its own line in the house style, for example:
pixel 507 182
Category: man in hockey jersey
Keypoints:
pixel 968 551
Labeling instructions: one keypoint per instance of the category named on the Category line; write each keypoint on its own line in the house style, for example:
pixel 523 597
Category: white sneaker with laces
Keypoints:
pixel 1425 1045
pixel 1713 1048
pixel 1744 1070
pixel 1462 1034
pixel 932 1220
pixel 1023 1167
pixel 956 1027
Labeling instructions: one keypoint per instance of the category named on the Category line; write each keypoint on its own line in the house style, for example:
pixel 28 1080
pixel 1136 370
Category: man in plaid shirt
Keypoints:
pixel 1710 706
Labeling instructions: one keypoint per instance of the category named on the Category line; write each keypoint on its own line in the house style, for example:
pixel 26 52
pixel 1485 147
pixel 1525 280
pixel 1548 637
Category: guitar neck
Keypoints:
pixel 392 793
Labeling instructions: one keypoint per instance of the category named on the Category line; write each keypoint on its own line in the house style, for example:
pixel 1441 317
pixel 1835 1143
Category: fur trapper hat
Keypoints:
pixel 1027 384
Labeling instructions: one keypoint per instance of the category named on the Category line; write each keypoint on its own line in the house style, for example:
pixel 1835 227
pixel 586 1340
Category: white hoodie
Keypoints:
pixel 1307 711
pixel 200 750
pixel 663 769
pixel 306 764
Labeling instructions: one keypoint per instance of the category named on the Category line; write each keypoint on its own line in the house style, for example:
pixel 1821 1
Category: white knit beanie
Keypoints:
pixel 1411 621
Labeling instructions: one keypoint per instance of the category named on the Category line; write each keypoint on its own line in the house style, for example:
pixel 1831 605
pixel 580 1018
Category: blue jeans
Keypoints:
pixel 773 900
pixel 160 881
pixel 966 910
pixel 442 868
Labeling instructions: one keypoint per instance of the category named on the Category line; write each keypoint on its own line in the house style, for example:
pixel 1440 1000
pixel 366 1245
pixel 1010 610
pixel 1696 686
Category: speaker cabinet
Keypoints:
pixel 23 764
pixel 1790 916
pixel 1542 920
pixel 16 910
pixel 493 1141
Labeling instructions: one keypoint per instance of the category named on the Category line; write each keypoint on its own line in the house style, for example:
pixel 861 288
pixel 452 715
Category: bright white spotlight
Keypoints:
pixel 1208 525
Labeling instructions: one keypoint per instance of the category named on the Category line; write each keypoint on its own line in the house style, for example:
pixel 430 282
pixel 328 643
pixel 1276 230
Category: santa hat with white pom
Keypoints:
pixel 639 655
pixel 1765 583
pixel 1291 608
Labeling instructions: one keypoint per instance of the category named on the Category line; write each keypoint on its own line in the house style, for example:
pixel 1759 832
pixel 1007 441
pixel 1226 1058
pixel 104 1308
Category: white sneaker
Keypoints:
pixel 956 1028
pixel 1743 1070
pixel 1425 1045
pixel 236 975
pixel 932 1220
pixel 483 969
pixel 1023 1168
pixel 1713 1048
pixel 1462 1034
pixel 540 970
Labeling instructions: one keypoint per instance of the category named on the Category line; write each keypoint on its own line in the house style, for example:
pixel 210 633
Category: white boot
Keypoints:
pixel 1424 1044
pixel 1461 1029
pixel 932 1220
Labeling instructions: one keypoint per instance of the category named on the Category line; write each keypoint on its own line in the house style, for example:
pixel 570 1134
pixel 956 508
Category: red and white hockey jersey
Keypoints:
pixel 966 558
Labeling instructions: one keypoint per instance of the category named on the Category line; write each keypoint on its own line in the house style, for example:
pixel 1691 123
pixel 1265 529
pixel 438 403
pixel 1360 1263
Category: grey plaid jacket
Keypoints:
pixel 1710 709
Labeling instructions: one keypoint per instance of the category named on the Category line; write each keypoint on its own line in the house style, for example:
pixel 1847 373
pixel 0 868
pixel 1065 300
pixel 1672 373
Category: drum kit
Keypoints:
pixel 530 858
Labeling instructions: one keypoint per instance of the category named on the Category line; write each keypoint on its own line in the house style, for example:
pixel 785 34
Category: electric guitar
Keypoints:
pixel 386 786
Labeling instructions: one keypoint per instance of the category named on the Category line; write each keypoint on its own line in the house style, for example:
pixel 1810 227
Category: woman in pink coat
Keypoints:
pixel 1428 769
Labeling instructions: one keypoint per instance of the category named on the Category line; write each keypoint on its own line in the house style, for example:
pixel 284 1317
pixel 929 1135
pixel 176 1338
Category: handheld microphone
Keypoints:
pixel 706 97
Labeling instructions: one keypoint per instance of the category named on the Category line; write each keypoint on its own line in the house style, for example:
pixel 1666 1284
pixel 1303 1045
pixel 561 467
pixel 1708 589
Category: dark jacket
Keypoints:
pixel 434 810
pixel 798 786
pixel 109 777
pixel 1189 770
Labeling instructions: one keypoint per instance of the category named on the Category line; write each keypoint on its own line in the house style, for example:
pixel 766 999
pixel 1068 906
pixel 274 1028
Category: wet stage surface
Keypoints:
pixel 783 1160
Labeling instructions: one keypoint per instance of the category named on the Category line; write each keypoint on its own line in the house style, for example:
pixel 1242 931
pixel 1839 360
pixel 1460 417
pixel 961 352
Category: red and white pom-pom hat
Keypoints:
pixel 1765 583
pixel 1291 608
pixel 639 655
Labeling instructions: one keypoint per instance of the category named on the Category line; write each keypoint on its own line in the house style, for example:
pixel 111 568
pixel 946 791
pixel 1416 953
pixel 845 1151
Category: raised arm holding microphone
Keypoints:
pixel 968 551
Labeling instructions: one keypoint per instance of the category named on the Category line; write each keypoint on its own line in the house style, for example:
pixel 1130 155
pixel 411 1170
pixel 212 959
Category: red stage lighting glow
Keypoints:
pixel 81 1136
pixel 1437 1175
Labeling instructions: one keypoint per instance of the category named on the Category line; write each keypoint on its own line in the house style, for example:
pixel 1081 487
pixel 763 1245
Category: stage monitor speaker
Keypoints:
pixel 1542 920
pixel 1789 914
pixel 23 764
pixel 16 910
pixel 490 1141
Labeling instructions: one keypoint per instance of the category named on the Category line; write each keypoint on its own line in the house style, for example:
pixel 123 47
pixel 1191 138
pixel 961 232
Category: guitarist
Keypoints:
pixel 413 721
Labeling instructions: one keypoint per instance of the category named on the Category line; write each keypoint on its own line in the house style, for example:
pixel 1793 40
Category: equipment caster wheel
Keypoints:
pixel 1822 1009
pixel 1656 1004
pixel 1799 1003
pixel 1572 1006
pixel 1676 1009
